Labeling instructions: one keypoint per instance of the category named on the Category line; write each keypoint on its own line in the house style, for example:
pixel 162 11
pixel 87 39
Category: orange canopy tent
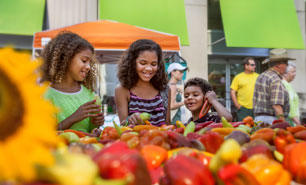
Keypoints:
pixel 110 38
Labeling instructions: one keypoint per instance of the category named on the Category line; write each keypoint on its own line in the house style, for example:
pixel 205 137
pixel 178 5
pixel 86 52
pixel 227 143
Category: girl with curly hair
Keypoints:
pixel 69 66
pixel 143 84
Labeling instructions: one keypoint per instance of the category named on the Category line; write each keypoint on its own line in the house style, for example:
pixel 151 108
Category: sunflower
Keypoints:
pixel 27 124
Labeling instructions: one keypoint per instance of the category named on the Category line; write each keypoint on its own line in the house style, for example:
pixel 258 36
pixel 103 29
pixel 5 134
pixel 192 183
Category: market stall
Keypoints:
pixel 110 39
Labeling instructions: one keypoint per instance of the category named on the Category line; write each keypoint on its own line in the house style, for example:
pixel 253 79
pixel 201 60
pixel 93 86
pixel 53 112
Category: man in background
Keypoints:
pixel 242 89
pixel 271 99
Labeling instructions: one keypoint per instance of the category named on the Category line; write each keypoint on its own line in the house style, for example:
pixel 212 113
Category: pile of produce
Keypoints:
pixel 208 153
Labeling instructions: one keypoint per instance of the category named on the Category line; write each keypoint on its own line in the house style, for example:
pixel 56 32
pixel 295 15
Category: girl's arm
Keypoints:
pixel 121 100
pixel 222 111
pixel 174 105
pixel 168 119
pixel 296 120
pixel 84 111
pixel 65 124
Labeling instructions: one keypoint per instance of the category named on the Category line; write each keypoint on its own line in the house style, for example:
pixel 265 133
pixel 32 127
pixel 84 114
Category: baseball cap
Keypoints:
pixel 176 66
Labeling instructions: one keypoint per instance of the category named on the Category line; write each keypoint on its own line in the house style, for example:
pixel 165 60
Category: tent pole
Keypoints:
pixel 33 53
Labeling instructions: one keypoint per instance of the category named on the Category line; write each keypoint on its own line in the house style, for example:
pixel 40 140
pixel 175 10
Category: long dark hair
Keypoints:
pixel 127 73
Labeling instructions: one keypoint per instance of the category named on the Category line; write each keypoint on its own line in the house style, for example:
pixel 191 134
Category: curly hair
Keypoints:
pixel 127 73
pixel 58 54
pixel 199 82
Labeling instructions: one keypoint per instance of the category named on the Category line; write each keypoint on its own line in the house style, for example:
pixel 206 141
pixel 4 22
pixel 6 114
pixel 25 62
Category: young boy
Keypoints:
pixel 196 90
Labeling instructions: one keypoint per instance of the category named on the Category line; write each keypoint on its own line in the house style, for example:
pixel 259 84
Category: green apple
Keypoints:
pixel 69 136
pixel 98 100
pixel 145 116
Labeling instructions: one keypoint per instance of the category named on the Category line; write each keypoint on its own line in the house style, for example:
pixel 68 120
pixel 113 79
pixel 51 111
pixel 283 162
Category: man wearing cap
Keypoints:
pixel 242 89
pixel 176 72
pixel 271 99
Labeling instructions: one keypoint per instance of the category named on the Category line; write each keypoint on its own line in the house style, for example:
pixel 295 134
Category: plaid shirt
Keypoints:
pixel 269 90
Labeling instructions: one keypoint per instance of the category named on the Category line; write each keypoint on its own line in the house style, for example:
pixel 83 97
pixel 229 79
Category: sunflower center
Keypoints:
pixel 11 107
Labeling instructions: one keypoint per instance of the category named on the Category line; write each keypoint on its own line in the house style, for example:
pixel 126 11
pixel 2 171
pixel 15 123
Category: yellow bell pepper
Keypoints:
pixel 223 131
pixel 267 171
pixel 179 124
pixel 124 128
pixel 139 128
pixel 229 153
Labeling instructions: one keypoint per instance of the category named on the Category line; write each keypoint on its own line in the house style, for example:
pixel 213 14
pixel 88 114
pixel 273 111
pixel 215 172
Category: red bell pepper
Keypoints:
pixel 184 170
pixel 201 157
pixel 277 121
pixel 156 174
pixel 109 133
pixel 154 137
pixel 212 141
pixel 115 148
pixel 117 161
pixel 257 146
pixel 130 167
pixel 193 135
pixel 199 126
pixel 215 125
pixel 177 140
pixel 234 174
pixel 283 139
pixel 295 161
pixel 236 124
pixel 179 130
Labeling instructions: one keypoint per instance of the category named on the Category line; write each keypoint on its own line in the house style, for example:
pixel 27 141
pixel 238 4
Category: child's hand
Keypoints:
pixel 135 119
pixel 98 120
pixel 86 110
pixel 211 96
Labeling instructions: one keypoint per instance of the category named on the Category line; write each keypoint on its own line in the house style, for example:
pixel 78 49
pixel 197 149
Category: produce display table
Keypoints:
pixel 206 153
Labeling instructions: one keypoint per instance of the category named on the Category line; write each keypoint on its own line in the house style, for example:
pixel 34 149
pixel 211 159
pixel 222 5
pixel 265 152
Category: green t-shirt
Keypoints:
pixel 68 103
pixel 293 99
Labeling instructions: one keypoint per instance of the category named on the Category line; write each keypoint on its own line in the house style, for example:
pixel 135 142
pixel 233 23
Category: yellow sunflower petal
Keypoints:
pixel 31 132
